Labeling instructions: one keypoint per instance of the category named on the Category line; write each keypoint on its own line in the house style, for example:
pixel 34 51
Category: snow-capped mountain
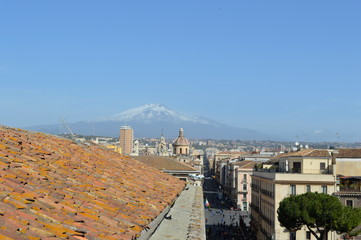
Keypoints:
pixel 155 112
pixel 151 121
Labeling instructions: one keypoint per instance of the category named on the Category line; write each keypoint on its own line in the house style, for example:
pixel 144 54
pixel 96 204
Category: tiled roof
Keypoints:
pixel 231 153
pixel 164 163
pixel 246 164
pixel 305 153
pixel 349 153
pixel 53 188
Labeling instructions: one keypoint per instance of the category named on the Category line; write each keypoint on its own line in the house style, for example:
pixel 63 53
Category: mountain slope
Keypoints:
pixel 155 112
pixel 153 119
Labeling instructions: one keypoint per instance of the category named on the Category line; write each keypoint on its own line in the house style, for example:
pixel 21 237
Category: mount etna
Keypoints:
pixel 150 121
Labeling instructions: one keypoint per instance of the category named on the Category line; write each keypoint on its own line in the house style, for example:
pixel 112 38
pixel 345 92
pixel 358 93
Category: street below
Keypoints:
pixel 223 221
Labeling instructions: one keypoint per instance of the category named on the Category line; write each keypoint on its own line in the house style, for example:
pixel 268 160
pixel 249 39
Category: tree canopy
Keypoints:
pixel 319 212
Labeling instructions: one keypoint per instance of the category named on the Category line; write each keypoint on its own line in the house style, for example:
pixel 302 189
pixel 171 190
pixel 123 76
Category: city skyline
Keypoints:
pixel 284 68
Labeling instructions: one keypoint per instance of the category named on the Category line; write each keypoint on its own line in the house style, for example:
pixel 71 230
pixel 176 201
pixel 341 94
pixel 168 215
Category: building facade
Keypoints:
pixel 242 189
pixel 126 140
pixel 221 157
pixel 308 170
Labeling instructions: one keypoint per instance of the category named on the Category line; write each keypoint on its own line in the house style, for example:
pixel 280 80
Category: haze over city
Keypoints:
pixel 290 69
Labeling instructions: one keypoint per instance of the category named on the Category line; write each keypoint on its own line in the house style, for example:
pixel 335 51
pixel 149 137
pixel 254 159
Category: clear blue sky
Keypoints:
pixel 291 68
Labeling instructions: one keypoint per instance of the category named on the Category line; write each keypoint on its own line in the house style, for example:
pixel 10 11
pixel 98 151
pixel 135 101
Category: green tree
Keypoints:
pixel 319 212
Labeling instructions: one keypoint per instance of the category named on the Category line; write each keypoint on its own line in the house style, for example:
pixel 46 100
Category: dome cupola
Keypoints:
pixel 181 144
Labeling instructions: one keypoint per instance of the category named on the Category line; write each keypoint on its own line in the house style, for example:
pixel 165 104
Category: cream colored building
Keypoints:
pixel 348 162
pixel 308 170
pixel 161 147
pixel 115 148
pixel 126 140
pixel 219 157
pixel 242 189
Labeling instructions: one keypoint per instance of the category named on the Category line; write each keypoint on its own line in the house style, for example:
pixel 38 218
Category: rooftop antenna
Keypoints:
pixel 66 126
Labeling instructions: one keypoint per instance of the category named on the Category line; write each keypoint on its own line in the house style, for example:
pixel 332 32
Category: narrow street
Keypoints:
pixel 222 222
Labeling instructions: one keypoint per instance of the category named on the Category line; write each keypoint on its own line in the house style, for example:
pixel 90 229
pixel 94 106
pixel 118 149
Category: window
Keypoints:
pixel 308 188
pixel 308 235
pixel 244 195
pixel 349 203
pixel 244 177
pixel 244 204
pixel 244 187
pixel 324 189
pixel 296 167
pixel 322 166
pixel 293 189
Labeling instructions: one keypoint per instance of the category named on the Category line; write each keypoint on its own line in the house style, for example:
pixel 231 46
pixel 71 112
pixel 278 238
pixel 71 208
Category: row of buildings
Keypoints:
pixel 129 146
pixel 258 182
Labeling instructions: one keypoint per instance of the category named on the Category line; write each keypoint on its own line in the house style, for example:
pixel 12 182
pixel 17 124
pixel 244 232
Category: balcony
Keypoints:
pixel 266 192
pixel 351 188
pixel 255 187
pixel 254 207
pixel 295 170
pixel 305 177
pixel 350 184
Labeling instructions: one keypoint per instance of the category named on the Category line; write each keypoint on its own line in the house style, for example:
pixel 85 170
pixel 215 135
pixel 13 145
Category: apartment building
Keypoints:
pixel 308 170
pixel 241 192
pixel 348 162
pixel 126 140
pixel 221 157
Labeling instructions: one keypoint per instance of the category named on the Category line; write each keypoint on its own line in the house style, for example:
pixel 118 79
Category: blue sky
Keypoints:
pixel 291 68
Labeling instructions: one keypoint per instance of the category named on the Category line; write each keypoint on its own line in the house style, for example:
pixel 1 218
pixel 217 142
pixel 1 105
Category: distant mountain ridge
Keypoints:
pixel 152 120
pixel 155 112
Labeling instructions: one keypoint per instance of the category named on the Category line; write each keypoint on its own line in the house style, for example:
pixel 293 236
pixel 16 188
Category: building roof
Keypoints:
pixel 231 153
pixel 305 153
pixel 257 155
pixel 56 188
pixel 339 153
pixel 349 153
pixel 246 164
pixel 164 163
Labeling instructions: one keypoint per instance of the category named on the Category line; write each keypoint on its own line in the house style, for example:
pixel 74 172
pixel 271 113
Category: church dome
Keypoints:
pixel 181 140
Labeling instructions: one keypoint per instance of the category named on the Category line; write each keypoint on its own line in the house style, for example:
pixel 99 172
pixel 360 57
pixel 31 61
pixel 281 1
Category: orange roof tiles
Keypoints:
pixel 164 163
pixel 349 153
pixel 306 153
pixel 246 164
pixel 231 153
pixel 54 188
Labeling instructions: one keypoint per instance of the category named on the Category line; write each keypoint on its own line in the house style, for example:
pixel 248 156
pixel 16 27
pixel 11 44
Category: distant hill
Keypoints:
pixel 153 119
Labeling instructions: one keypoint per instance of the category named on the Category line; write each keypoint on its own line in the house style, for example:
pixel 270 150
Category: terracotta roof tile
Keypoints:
pixel 305 153
pixel 231 153
pixel 349 153
pixel 164 163
pixel 53 188
pixel 246 164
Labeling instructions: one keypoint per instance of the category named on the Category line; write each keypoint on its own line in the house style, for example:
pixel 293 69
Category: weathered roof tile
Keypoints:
pixel 53 188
